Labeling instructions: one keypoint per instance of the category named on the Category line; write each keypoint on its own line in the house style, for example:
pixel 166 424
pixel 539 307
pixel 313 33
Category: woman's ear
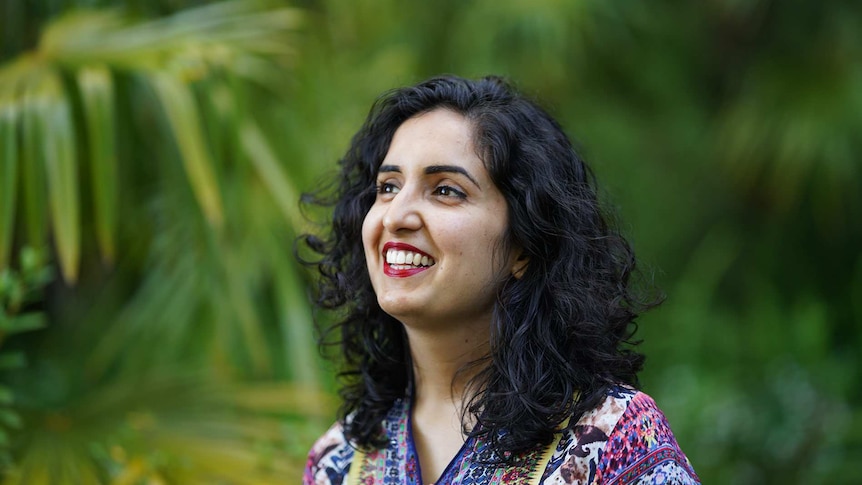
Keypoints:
pixel 520 265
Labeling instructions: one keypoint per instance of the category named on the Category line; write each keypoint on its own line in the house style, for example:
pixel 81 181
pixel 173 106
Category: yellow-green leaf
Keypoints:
pixel 182 114
pixel 297 324
pixel 33 171
pixel 270 172
pixel 62 174
pixel 97 95
pixel 8 178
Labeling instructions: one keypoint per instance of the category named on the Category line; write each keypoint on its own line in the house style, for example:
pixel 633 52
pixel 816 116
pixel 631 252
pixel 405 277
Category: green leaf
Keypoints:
pixel 36 272
pixel 10 418
pixel 7 281
pixel 97 95
pixel 12 360
pixel 8 178
pixel 271 173
pixel 182 114
pixel 297 323
pixel 13 292
pixel 23 323
pixel 62 173
pixel 33 167
pixel 32 260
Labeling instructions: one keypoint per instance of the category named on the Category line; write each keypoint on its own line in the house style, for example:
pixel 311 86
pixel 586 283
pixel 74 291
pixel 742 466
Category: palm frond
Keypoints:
pixel 184 191
pixel 239 37
pixel 8 177
pixel 97 94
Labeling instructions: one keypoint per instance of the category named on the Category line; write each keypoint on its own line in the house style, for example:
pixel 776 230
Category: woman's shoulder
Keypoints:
pixel 329 458
pixel 626 439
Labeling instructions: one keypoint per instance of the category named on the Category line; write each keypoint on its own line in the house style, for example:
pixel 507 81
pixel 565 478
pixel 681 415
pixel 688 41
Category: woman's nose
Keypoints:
pixel 402 213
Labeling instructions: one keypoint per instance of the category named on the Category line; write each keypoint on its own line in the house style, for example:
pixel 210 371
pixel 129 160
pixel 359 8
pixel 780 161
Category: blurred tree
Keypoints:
pixel 133 148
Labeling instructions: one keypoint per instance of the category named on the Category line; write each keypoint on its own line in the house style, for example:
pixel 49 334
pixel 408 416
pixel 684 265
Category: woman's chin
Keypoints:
pixel 401 310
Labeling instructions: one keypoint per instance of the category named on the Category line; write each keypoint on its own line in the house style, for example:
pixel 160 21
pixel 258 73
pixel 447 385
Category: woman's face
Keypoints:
pixel 431 235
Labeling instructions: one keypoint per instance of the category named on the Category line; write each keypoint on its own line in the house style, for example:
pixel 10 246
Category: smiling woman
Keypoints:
pixel 487 306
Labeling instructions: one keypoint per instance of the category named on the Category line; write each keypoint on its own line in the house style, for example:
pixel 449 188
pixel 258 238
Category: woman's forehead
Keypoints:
pixel 439 137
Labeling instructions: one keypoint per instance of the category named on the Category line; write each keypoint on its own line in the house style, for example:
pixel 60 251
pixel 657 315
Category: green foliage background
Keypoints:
pixel 155 326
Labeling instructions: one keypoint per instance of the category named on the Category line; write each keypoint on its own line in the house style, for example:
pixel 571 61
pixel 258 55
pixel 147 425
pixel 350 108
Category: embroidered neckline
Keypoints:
pixel 384 466
pixel 414 455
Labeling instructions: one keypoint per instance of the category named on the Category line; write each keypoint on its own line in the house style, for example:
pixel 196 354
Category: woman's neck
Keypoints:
pixel 441 373
pixel 441 363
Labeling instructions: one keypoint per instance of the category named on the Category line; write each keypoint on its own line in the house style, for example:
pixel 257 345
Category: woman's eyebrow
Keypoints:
pixel 389 168
pixel 431 169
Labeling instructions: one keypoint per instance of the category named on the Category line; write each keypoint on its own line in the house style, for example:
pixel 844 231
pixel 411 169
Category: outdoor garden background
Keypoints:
pixel 155 326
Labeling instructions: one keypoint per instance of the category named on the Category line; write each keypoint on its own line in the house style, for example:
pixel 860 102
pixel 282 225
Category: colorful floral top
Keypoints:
pixel 625 440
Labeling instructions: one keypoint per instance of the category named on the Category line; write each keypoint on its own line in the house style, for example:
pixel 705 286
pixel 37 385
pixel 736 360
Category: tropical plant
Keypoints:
pixel 17 290
pixel 133 148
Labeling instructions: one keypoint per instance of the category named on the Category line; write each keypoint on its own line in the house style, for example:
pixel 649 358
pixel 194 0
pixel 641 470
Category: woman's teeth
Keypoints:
pixel 407 258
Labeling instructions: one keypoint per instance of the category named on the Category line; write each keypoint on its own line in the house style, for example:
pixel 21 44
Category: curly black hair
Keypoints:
pixel 561 334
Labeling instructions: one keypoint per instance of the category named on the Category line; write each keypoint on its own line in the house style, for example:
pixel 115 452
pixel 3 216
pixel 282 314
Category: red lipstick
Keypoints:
pixel 388 270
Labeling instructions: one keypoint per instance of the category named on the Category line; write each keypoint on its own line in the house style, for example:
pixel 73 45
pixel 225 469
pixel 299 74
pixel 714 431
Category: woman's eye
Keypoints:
pixel 447 191
pixel 387 188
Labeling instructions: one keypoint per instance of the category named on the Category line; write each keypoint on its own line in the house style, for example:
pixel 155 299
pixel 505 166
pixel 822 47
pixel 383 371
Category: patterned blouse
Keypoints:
pixel 625 440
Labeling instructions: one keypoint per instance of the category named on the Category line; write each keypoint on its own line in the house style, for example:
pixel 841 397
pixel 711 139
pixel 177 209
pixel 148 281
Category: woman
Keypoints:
pixel 484 302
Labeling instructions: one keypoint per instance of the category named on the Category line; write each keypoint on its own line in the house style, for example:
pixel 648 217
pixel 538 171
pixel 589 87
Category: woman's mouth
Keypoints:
pixel 403 260
pixel 397 258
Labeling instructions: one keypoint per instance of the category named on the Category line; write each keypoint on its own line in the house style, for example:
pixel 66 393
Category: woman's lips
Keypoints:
pixel 401 260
